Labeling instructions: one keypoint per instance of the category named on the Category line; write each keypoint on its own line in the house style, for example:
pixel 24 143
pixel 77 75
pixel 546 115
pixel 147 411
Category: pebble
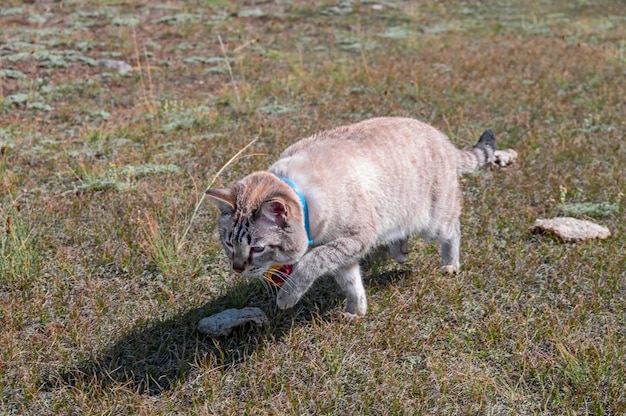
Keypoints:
pixel 570 229
pixel 224 322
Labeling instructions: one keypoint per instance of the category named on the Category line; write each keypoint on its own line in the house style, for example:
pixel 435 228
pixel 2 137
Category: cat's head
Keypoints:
pixel 261 223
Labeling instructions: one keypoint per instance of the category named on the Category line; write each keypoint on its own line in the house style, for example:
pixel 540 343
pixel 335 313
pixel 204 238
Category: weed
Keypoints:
pixel 592 209
pixel 161 245
pixel 119 178
pixel 20 260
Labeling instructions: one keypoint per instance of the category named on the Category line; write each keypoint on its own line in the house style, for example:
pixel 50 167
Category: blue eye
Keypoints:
pixel 257 249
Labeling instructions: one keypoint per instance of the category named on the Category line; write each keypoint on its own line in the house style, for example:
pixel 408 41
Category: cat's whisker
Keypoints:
pixel 289 283
pixel 268 287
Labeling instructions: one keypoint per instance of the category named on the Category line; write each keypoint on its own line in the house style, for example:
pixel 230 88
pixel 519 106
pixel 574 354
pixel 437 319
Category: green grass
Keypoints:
pixel 107 264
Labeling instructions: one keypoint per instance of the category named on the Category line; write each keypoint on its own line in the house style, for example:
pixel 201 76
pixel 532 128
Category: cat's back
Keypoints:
pixel 372 141
pixel 369 135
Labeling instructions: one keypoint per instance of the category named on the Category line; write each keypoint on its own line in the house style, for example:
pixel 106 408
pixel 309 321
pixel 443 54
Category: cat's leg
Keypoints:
pixel 349 279
pixel 399 250
pixel 450 247
pixel 319 261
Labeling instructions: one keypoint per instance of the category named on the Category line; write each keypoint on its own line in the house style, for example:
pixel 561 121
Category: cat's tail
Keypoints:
pixel 479 155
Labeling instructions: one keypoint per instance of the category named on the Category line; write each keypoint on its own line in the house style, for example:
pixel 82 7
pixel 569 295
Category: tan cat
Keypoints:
pixel 371 183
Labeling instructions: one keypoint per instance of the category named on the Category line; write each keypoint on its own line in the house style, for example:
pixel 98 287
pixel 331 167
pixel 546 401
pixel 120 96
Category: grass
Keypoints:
pixel 109 257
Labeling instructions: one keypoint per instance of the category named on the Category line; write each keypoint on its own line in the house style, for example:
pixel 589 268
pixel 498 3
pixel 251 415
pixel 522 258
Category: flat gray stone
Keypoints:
pixel 224 322
pixel 571 229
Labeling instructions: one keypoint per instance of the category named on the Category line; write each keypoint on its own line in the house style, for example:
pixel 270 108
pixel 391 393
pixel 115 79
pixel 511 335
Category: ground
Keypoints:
pixel 109 254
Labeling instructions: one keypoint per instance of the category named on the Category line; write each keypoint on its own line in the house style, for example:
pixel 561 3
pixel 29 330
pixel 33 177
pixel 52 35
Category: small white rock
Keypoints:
pixel 120 66
pixel 224 322
pixel 571 229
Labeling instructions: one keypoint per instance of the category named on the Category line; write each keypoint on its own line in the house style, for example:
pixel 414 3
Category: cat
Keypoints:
pixel 331 198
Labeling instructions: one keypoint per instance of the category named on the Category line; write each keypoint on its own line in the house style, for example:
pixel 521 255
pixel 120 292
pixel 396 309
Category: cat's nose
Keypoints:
pixel 239 265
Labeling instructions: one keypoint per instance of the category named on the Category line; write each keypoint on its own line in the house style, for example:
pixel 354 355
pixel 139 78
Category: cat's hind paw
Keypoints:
pixel 449 269
pixel 349 317
pixel 356 306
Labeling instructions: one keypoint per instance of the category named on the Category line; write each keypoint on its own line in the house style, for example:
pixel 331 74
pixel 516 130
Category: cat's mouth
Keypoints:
pixel 277 274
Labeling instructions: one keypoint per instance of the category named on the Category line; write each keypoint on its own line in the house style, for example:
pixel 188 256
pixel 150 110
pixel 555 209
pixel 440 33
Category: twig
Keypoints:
pixel 195 211
pixel 245 45
pixel 150 84
pixel 149 105
pixel 230 72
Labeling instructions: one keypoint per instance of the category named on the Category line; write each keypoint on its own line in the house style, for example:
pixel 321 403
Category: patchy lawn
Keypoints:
pixel 116 115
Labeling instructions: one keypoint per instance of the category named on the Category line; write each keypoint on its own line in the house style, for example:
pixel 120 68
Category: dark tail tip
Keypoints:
pixel 487 139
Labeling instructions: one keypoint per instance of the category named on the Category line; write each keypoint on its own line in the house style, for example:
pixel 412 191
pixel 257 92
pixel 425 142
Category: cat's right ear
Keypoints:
pixel 275 211
pixel 223 199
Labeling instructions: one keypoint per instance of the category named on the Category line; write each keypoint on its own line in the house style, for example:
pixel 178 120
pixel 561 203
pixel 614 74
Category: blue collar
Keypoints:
pixel 305 208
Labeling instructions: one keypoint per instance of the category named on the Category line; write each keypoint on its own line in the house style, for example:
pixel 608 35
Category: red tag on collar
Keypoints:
pixel 277 274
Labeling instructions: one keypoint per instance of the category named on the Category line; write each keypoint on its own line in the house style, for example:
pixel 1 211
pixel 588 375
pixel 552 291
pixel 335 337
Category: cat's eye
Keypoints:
pixel 257 249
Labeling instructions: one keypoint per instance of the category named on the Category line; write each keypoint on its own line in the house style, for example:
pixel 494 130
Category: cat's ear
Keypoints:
pixel 275 211
pixel 223 199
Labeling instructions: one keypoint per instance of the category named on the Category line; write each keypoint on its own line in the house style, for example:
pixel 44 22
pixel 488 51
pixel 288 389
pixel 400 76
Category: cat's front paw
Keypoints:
pixel 287 297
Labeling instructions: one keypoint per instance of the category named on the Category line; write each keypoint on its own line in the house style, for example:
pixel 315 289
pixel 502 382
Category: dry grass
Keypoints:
pixel 106 266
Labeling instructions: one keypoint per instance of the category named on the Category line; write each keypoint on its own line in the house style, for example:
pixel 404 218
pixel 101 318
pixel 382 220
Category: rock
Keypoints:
pixel 120 66
pixel 570 229
pixel 224 322
pixel 505 157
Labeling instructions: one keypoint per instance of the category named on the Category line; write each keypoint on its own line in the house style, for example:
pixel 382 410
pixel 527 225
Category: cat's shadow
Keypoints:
pixel 157 356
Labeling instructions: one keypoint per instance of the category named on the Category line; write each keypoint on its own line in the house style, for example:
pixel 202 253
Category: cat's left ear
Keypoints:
pixel 275 211
pixel 222 199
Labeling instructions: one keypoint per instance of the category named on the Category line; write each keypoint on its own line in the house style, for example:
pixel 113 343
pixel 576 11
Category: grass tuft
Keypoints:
pixel 20 260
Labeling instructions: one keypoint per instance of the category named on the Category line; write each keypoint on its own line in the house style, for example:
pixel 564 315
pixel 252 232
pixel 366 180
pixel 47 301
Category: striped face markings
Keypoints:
pixel 245 252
